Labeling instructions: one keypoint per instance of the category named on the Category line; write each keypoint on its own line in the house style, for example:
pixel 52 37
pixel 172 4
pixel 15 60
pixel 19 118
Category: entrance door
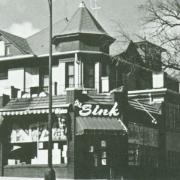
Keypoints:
pixel 99 158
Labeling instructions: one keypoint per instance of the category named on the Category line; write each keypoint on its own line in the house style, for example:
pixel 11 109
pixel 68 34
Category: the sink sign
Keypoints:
pixel 96 110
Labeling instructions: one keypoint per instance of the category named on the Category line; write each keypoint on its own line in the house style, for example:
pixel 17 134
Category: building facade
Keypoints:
pixel 113 117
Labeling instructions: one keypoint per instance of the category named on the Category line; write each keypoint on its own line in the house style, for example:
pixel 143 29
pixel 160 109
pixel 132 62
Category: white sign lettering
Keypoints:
pixel 88 109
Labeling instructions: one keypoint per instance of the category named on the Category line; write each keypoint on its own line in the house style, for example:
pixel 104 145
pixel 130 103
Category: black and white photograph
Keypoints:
pixel 90 89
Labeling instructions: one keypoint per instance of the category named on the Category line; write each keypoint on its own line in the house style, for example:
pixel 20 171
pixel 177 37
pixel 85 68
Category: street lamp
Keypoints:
pixel 50 173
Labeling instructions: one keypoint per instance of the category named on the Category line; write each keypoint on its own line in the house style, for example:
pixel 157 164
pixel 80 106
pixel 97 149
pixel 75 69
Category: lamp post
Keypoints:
pixel 50 173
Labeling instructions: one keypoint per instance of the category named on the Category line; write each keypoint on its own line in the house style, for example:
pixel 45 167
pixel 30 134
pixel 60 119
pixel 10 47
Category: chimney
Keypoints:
pixel 4 99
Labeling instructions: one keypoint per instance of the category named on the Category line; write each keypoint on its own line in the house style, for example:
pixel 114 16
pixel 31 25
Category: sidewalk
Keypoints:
pixel 25 178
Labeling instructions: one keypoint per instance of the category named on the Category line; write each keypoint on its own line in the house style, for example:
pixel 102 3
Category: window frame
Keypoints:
pixel 3 73
pixel 89 76
pixel 68 76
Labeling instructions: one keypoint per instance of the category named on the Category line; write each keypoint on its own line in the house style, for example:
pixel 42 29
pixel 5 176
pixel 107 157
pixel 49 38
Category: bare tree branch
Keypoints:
pixel 163 16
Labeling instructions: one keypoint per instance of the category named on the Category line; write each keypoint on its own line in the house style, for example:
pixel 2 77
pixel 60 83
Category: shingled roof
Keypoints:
pixel 39 42
pixel 83 22
pixel 18 42
pixel 36 102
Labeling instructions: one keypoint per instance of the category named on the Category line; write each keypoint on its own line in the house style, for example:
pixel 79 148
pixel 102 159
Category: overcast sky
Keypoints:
pixel 25 17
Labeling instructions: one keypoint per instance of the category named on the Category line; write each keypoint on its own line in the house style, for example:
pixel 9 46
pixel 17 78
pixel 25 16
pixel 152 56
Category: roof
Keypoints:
pixel 83 22
pixel 39 42
pixel 100 99
pixel 145 42
pixel 23 104
pixel 18 42
pixel 86 125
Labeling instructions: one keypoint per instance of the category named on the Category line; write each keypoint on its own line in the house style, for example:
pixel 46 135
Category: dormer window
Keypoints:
pixel 7 50
pixel 4 48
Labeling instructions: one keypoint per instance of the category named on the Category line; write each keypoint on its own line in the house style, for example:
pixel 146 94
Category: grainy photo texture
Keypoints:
pixel 90 89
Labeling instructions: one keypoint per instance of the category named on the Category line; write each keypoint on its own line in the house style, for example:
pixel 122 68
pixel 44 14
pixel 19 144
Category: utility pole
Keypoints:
pixel 50 174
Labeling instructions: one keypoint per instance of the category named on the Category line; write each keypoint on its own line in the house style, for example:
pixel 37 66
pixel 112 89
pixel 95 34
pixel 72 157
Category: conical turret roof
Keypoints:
pixel 83 22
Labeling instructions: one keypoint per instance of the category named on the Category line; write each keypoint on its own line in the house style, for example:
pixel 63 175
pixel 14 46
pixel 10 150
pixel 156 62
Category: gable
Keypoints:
pixel 132 54
pixel 16 45
pixel 11 51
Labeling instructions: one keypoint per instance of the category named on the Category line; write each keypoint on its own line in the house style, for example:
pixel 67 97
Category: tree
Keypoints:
pixel 162 19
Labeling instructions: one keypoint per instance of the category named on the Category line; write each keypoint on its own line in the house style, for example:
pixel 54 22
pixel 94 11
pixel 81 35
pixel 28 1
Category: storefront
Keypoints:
pixel 101 140
pixel 25 136
pixel 89 136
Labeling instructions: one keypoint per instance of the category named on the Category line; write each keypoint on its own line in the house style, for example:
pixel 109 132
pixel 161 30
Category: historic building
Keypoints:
pixel 113 117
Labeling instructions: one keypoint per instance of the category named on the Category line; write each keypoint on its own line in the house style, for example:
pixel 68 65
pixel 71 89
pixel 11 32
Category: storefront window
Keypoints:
pixel 142 155
pixel 29 143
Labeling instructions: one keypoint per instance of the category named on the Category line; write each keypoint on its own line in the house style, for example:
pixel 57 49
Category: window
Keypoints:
pixel 7 50
pixel 70 74
pixel 173 159
pixel 29 142
pixel 142 155
pixel 44 76
pixel 3 73
pixel 2 48
pixel 89 74
pixel 105 69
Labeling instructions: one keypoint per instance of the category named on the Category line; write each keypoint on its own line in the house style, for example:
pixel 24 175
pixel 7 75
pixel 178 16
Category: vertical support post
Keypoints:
pixel 50 174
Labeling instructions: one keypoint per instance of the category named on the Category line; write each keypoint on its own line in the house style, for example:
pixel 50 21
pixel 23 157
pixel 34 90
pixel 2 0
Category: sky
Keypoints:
pixel 25 17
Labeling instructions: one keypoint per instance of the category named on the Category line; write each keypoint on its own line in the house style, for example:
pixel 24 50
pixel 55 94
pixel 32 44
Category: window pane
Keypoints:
pixel 71 69
pixel 89 75
pixel 4 73
pixel 71 81
pixel 104 162
pixel 103 143
pixel 2 48
pixel 69 74
pixel 46 80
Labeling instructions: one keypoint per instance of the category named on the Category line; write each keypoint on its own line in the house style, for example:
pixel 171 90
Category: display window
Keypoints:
pixel 29 142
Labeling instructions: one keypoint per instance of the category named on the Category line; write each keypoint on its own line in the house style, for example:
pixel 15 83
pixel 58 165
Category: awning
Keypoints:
pixel 34 105
pixel 32 111
pixel 100 125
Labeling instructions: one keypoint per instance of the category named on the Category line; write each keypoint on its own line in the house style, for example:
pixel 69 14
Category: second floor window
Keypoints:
pixel 89 74
pixel 44 76
pixel 70 74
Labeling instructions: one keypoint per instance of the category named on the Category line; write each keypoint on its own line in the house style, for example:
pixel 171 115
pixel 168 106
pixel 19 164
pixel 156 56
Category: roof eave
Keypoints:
pixel 63 36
